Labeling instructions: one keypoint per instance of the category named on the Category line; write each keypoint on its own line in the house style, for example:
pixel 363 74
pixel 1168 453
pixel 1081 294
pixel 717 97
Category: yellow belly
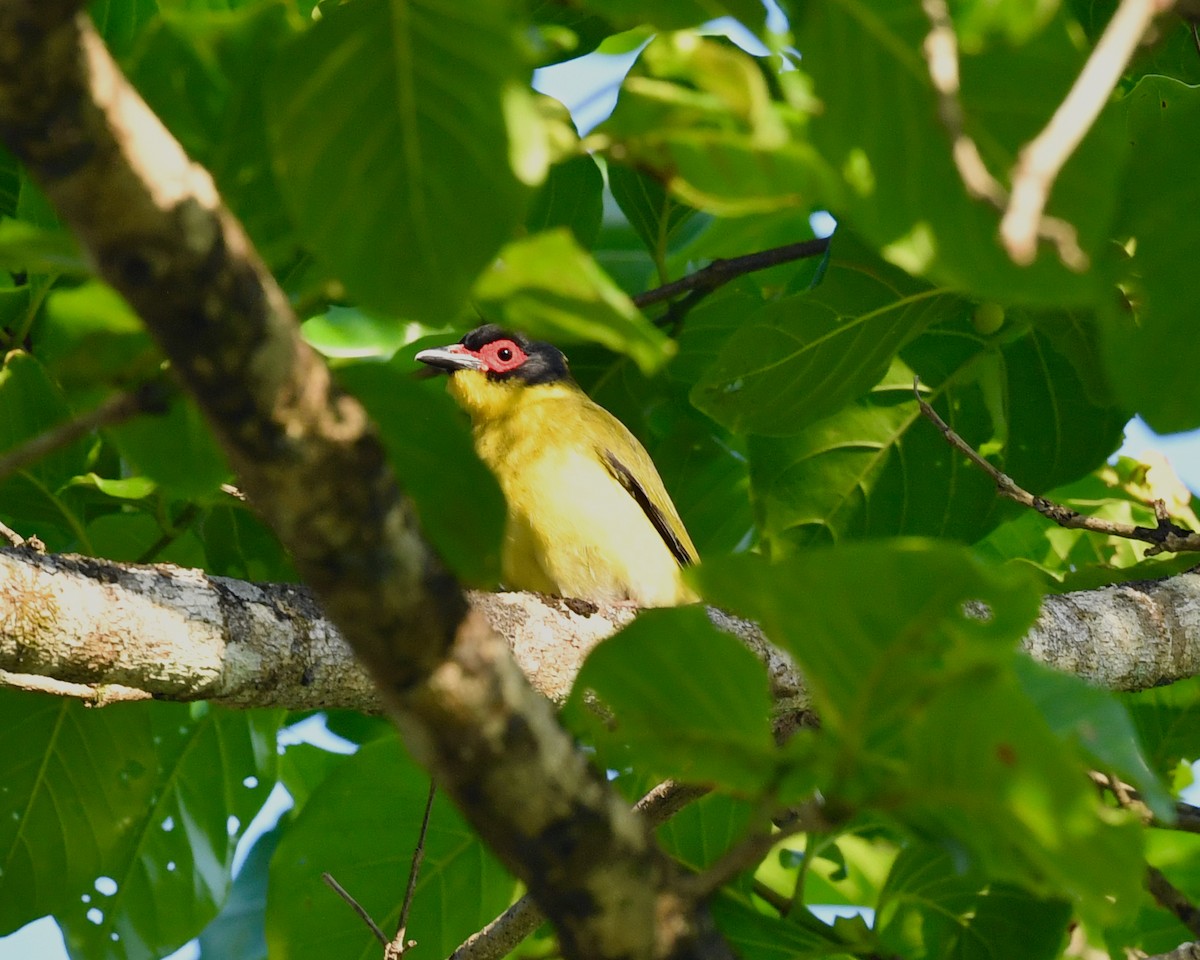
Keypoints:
pixel 573 530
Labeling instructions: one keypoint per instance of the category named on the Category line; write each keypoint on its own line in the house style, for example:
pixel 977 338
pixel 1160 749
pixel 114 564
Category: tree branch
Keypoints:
pixel 183 635
pixel 1166 537
pixel 308 458
pixel 720 272
pixel 941 55
pixel 1041 159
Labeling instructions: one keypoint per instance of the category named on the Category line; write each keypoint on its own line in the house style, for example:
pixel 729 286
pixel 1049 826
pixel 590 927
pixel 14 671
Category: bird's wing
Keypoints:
pixel 682 551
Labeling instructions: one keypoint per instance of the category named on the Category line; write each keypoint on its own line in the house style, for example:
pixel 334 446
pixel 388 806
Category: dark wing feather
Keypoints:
pixel 656 517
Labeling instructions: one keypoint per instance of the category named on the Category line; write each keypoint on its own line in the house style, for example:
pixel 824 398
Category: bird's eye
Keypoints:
pixel 501 356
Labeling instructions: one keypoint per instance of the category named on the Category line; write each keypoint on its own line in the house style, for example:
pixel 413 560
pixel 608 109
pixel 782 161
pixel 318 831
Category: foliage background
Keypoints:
pixel 398 175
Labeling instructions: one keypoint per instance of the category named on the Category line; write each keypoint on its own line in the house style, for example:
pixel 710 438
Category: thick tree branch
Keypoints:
pixel 309 460
pixel 184 635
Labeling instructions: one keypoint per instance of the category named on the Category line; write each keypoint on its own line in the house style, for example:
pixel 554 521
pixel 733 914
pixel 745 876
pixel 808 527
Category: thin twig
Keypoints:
pixel 1187 816
pixel 398 945
pixel 11 535
pixel 1040 160
pixel 720 272
pixel 356 907
pixel 1167 537
pixel 941 55
pixel 501 935
pixel 1171 898
pixel 116 409
pixel 92 695
pixel 1185 951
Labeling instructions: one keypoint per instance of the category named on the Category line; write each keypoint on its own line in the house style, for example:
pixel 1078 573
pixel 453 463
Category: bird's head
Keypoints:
pixel 490 367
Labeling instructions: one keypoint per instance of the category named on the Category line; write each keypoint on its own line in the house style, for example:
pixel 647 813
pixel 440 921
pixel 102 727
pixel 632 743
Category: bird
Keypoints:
pixel 588 516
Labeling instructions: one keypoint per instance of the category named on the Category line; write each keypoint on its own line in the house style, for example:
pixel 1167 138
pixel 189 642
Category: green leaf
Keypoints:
pixel 658 218
pixel 673 14
pixel 128 488
pixel 30 404
pixel 702 831
pixel 120 22
pixel 54 839
pixel 1163 127
pixel 347 332
pixel 922 713
pixel 429 445
pixel 801 358
pixel 238 930
pixel 708 723
pixel 1096 720
pixel 876 643
pixel 202 72
pixel 388 121
pixel 176 449
pixel 215 768
pixel 754 934
pixel 700 114
pixel 25 247
pixel 932 907
pixel 898 184
pixel 89 335
pixel 571 197
pixel 361 825
pixel 1168 723
pixel 877 468
pixel 303 768
pixel 546 286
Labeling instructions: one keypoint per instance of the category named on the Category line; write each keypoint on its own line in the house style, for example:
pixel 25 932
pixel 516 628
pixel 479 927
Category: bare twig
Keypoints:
pixel 11 535
pixel 1041 159
pixel 92 695
pixel 1185 951
pixel 357 908
pixel 1187 816
pixel 116 409
pixel 502 934
pixel 941 54
pixel 1167 537
pixel 720 272
pixel 398 945
pixel 1171 898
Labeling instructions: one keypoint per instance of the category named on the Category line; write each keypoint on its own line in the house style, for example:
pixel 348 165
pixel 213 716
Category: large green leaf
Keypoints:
pixel 1099 723
pixel 571 197
pixel 899 187
pixel 1163 126
pixel 215 768
pixel 202 72
pixel 800 358
pixel 708 723
pixel 361 825
pixel 658 217
pixel 169 790
pixel 702 116
pixel 388 120
pixel 877 468
pixel 547 286
pixel 922 713
pixel 429 445
pixel 30 404
pixel 931 907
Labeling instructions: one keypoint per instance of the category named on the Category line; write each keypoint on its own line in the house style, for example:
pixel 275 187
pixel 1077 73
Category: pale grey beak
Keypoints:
pixel 450 359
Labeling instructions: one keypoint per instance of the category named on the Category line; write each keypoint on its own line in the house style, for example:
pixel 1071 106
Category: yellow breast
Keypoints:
pixel 573 529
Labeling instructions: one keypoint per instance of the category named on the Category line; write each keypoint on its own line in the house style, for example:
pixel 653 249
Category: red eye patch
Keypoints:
pixel 502 356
